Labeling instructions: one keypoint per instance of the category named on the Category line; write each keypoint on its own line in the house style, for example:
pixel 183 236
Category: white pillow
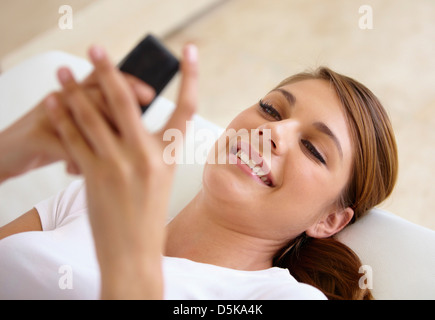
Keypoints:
pixel 399 255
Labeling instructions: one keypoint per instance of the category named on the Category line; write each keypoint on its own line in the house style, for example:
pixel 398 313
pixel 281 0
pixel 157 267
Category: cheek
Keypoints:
pixel 247 119
pixel 300 178
pixel 303 197
pixel 299 194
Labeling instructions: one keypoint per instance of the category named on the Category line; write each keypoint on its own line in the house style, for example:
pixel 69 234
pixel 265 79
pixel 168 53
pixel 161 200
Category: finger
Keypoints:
pixel 69 134
pixel 95 95
pixel 122 103
pixel 72 168
pixel 97 98
pixel 188 94
pixel 90 121
pixel 143 92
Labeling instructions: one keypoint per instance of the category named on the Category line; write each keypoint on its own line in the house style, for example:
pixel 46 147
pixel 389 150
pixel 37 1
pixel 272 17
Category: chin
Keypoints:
pixel 220 182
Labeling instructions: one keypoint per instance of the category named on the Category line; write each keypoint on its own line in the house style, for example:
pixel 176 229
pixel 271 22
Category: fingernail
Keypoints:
pixel 64 75
pixel 97 53
pixel 51 102
pixel 191 53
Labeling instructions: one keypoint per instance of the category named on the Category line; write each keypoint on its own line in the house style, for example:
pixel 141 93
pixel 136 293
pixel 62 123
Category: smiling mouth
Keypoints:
pixel 255 164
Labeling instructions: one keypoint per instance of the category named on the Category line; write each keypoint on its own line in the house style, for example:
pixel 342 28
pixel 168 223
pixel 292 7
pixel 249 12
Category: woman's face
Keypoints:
pixel 304 127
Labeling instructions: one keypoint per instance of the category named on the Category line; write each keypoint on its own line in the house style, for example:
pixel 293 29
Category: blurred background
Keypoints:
pixel 247 46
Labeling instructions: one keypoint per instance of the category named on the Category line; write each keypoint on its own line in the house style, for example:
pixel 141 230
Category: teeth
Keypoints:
pixel 244 157
pixel 251 164
pixel 257 170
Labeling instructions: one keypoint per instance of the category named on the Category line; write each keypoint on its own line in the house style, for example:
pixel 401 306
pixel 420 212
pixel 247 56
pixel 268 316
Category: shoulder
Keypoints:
pixel 56 210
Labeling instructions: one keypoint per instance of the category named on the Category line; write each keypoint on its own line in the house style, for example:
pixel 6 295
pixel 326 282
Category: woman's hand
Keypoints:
pixel 128 184
pixel 32 142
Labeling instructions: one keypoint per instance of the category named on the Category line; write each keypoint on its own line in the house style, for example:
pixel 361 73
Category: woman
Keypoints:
pixel 332 157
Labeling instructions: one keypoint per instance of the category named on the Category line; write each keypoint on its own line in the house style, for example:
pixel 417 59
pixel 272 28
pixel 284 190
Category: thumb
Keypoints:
pixel 188 94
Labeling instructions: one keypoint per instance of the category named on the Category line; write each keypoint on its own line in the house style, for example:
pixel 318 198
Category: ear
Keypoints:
pixel 330 223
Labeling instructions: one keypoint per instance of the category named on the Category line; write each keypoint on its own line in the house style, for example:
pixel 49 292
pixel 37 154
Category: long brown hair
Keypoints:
pixel 327 263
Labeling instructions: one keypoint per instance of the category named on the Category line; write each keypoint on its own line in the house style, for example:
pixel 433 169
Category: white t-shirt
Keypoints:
pixel 60 263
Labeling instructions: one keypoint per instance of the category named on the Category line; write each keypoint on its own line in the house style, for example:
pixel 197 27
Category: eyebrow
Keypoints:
pixel 289 96
pixel 325 129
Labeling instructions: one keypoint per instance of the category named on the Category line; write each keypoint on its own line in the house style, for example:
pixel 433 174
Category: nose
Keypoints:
pixel 281 135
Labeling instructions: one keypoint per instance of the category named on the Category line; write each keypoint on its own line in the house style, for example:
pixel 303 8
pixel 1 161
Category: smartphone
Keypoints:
pixel 151 62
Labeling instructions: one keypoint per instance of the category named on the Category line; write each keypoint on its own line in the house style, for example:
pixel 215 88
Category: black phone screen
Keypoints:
pixel 151 62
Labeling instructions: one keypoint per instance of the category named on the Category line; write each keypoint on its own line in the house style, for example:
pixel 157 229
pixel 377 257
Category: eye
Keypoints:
pixel 269 110
pixel 309 146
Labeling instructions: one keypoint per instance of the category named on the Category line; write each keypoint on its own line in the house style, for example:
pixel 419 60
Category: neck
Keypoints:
pixel 199 234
